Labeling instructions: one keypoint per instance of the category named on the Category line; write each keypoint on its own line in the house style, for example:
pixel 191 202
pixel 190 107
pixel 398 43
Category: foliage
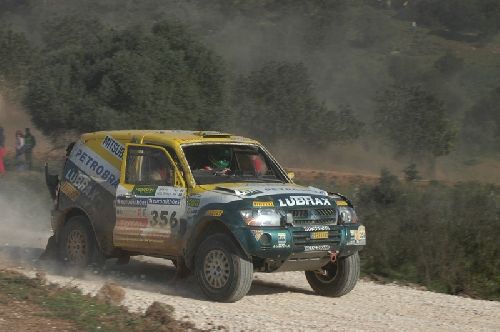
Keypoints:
pixel 94 78
pixel 278 102
pixel 411 172
pixel 481 124
pixel 442 237
pixel 460 16
pixel 449 64
pixel 16 57
pixel 414 121
pixel 86 312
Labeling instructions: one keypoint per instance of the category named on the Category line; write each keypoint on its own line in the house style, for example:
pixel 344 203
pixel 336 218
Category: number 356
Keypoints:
pixel 160 218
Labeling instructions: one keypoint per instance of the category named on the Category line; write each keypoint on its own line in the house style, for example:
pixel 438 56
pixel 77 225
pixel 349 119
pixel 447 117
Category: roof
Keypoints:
pixel 178 136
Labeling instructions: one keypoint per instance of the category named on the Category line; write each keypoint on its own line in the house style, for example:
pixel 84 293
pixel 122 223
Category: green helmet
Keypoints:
pixel 221 157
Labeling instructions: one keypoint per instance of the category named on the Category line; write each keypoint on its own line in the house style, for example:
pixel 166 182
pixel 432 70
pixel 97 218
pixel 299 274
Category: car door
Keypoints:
pixel 150 201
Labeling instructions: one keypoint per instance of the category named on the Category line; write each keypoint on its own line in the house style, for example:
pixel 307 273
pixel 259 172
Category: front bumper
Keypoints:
pixel 281 243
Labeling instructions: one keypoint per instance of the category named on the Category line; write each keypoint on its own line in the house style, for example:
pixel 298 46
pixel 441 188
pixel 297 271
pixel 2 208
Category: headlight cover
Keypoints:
pixel 347 215
pixel 261 217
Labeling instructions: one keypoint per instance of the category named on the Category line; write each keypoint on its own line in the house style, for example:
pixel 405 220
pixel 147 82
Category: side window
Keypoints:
pixel 148 166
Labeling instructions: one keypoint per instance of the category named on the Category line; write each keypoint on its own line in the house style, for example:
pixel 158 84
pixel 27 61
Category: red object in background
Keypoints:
pixel 3 152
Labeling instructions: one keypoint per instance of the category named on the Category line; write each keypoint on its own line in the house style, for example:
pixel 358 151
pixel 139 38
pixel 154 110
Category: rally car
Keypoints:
pixel 217 205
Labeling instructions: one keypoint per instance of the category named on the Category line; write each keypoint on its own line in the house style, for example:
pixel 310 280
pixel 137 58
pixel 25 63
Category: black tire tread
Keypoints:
pixel 348 272
pixel 95 256
pixel 243 269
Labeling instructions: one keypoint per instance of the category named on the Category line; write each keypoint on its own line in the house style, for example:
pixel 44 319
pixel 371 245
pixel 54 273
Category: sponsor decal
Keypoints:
pixel 316 228
pixel 281 246
pixel 281 238
pixel 304 200
pixel 247 192
pixel 317 248
pixel 169 191
pixel 82 182
pixel 134 202
pixel 132 222
pixel 263 204
pixel 341 203
pixel 95 166
pixel 164 201
pixel 113 146
pixel 70 191
pixel 193 202
pixel 144 190
pixel 214 213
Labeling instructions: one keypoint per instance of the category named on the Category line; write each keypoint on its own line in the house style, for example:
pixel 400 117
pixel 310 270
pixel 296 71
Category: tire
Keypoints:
pixel 223 273
pixel 77 244
pixel 340 278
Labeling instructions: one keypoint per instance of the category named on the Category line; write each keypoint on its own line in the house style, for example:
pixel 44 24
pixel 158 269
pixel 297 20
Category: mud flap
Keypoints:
pixel 50 252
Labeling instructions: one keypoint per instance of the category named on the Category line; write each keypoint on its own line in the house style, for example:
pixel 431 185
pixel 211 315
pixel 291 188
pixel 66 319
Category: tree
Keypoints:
pixel 414 122
pixel 481 125
pixel 100 78
pixel 16 57
pixel 277 101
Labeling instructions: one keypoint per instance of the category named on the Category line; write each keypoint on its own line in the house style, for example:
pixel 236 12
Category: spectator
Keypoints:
pixel 19 150
pixel 29 145
pixel 2 151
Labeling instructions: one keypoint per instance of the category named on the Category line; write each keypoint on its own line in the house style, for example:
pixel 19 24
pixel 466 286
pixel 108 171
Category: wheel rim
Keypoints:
pixel 216 268
pixel 76 246
pixel 329 275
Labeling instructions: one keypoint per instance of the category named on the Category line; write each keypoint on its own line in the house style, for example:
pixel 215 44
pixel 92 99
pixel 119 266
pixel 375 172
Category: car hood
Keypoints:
pixel 254 190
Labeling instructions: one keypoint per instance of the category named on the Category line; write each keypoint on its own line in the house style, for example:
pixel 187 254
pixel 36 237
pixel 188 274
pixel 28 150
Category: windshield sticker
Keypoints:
pixel 263 204
pixel 113 146
pixel 304 200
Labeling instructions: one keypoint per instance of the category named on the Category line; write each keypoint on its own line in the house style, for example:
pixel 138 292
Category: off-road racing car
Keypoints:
pixel 217 205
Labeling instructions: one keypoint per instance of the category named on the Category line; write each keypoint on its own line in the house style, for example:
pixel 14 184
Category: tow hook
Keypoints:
pixel 333 256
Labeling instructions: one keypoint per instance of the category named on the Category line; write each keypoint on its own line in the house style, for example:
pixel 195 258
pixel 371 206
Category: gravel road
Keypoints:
pixel 284 301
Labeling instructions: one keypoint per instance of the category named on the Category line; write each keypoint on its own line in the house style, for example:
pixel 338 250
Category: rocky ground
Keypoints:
pixel 276 302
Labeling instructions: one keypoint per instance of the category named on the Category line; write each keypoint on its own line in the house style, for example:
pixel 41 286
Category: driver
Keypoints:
pixel 219 159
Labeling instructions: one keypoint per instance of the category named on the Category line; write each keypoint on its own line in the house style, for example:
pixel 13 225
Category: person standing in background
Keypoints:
pixel 2 151
pixel 19 150
pixel 29 145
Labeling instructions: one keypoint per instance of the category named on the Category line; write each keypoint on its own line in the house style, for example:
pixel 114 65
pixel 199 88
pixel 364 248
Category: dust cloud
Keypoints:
pixel 24 201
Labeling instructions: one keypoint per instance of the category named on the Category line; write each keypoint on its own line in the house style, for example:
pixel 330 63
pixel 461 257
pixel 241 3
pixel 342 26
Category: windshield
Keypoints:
pixel 222 163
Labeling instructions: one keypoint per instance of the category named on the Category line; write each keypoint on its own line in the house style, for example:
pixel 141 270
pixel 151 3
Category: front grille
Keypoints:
pixel 301 239
pixel 303 217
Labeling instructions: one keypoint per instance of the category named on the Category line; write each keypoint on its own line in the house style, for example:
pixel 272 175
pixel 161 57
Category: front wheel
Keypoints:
pixel 222 271
pixel 338 279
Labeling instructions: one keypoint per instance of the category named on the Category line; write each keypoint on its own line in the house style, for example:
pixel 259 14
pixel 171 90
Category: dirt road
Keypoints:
pixel 284 301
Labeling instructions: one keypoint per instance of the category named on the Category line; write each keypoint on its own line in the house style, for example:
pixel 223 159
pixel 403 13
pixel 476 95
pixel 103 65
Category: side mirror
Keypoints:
pixel 291 175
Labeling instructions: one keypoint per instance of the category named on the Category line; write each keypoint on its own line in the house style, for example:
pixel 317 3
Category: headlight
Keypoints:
pixel 261 217
pixel 347 215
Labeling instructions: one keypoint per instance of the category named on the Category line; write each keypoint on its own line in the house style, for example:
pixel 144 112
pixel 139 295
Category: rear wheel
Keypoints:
pixel 77 244
pixel 338 279
pixel 222 271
